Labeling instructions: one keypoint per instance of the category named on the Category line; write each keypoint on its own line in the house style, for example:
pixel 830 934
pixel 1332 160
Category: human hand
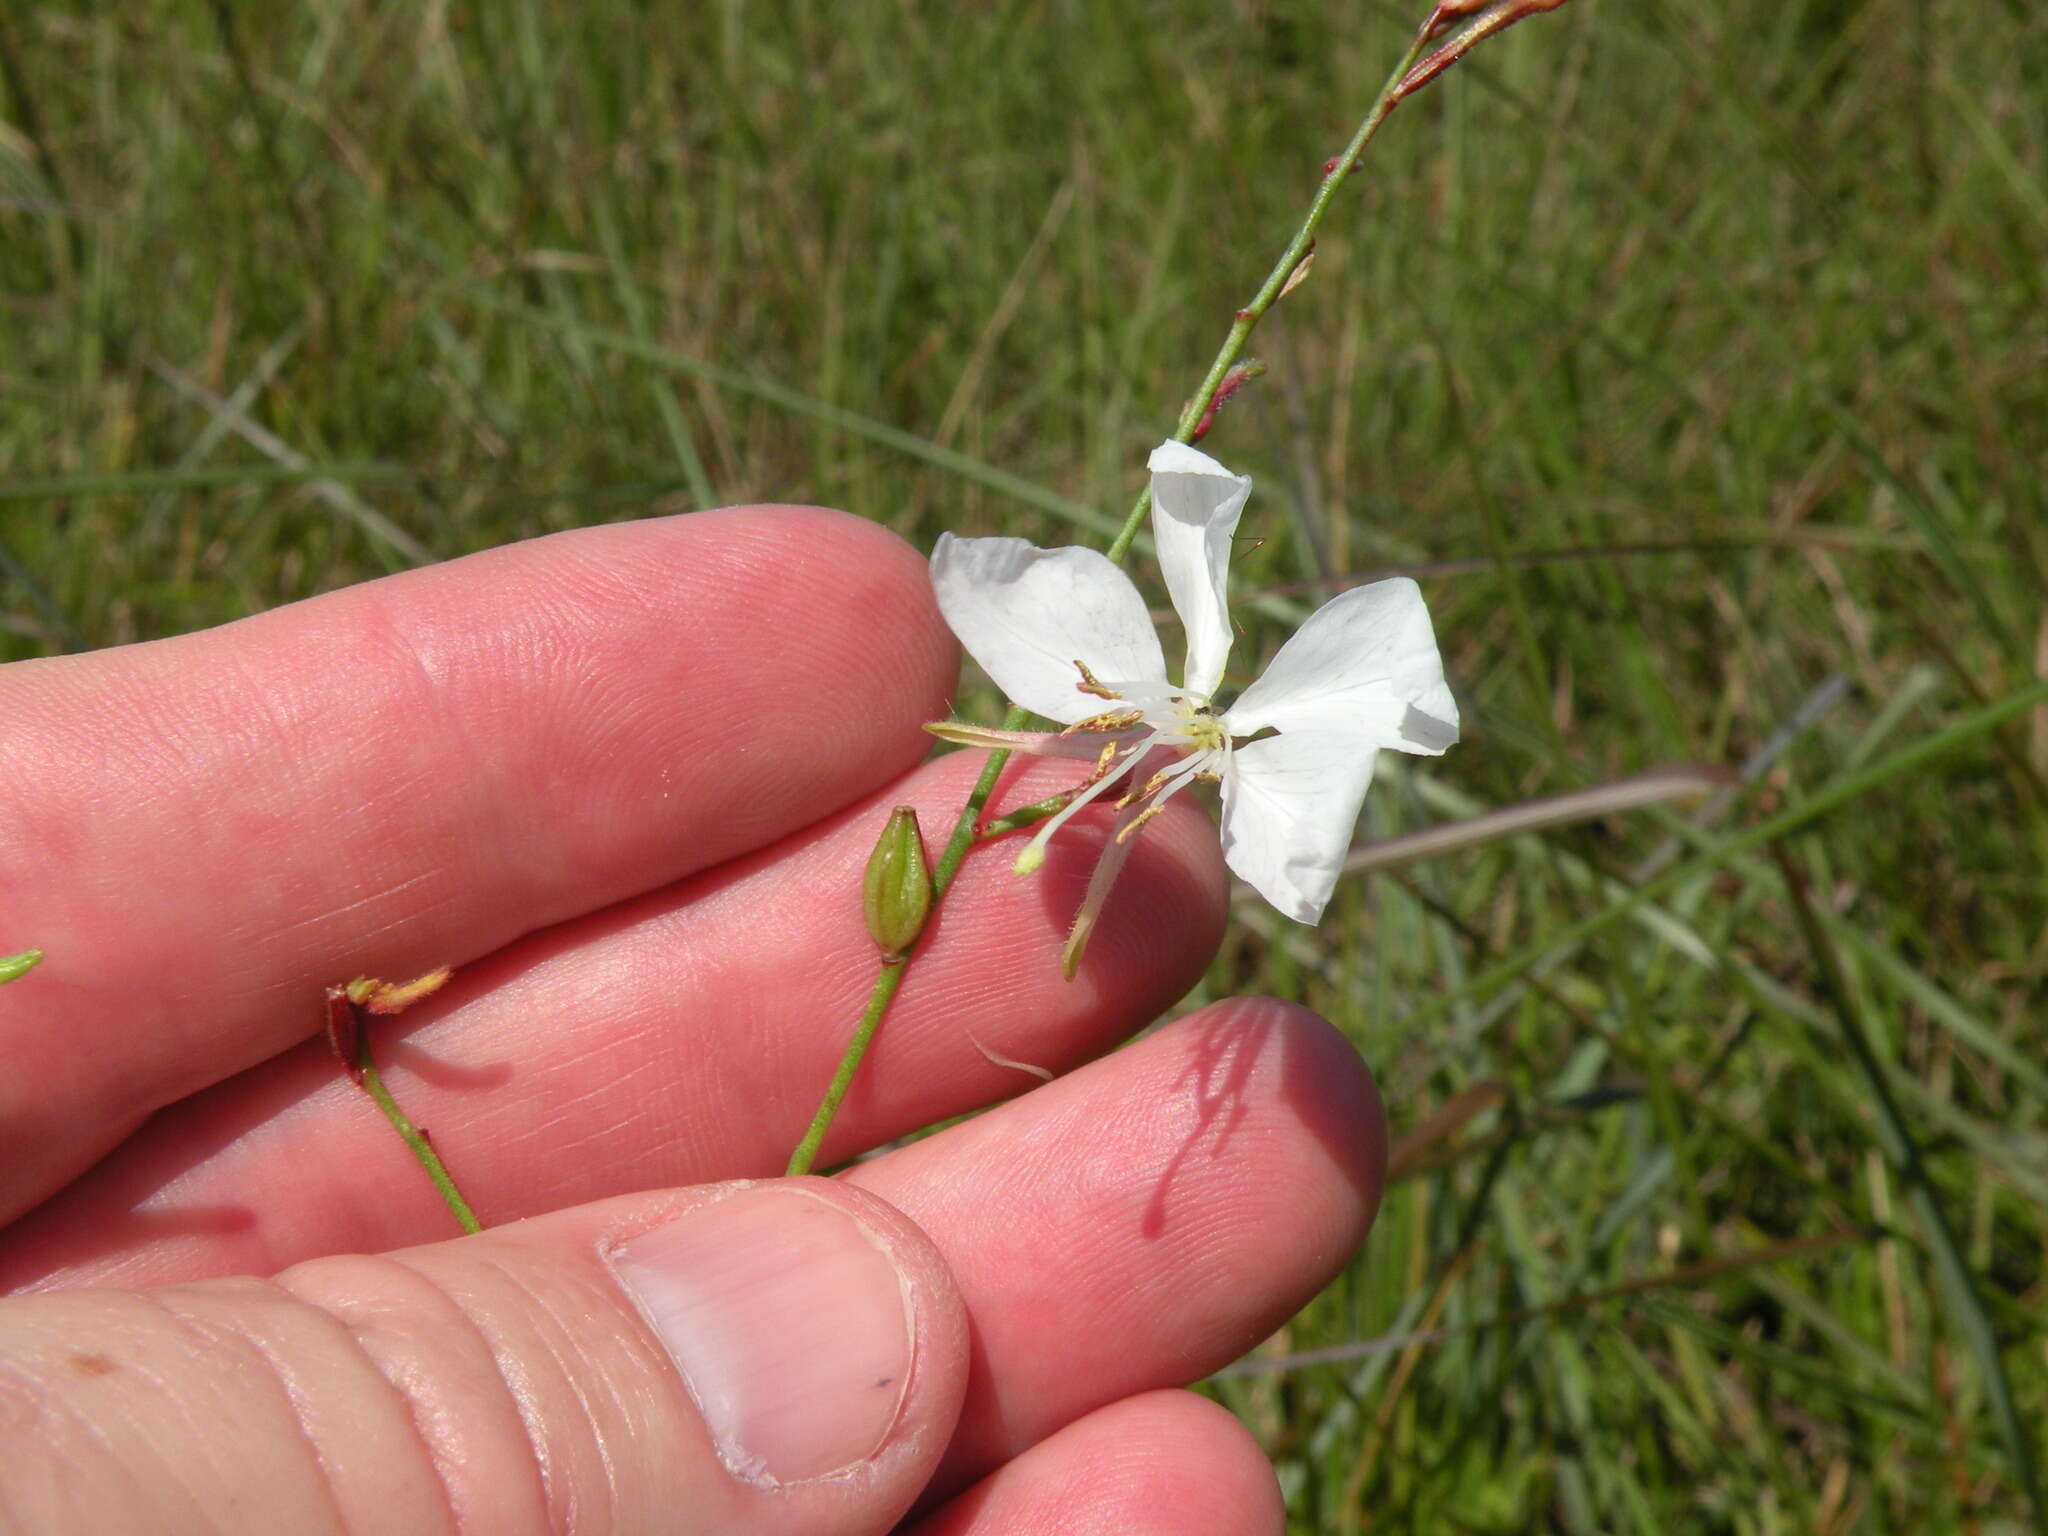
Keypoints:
pixel 625 779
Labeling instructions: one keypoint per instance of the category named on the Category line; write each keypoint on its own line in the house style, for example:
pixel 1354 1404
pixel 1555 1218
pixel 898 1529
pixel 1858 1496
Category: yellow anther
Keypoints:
pixel 1090 684
pixel 1157 781
pixel 1114 720
pixel 1138 821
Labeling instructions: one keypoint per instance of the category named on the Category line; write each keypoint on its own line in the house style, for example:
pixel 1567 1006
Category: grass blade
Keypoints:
pixel 1952 1274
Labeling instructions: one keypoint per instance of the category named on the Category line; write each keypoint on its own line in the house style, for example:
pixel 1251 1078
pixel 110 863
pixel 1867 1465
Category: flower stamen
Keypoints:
pixel 1130 828
pixel 1033 855
pixel 1114 720
pixel 1091 684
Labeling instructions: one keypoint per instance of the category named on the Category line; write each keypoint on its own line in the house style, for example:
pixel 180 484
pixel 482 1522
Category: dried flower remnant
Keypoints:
pixel 374 996
pixel 1065 633
pixel 368 994
pixel 346 1006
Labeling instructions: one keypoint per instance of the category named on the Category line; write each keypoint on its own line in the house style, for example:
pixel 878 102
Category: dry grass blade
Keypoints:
pixel 268 443
pixel 1653 786
pixel 1406 1156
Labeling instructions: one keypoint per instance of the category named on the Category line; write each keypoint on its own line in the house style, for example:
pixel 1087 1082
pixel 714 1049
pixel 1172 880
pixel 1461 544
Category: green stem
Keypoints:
pixel 962 839
pixel 414 1138
pixel 890 977
pixel 1248 318
pixel 1025 816
pixel 887 980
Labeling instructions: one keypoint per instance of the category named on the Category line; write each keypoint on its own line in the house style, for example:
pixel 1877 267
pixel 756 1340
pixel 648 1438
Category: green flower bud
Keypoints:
pixel 12 967
pixel 897 891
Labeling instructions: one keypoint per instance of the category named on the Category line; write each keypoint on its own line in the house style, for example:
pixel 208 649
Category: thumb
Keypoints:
pixel 778 1358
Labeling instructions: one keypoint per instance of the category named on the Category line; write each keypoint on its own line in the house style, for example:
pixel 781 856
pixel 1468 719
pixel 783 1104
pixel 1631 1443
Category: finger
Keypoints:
pixel 776 1359
pixel 1161 1464
pixel 1146 1219
pixel 685 1036
pixel 414 772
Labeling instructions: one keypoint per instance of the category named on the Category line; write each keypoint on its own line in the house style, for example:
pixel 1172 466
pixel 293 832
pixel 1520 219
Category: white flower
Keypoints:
pixel 1064 633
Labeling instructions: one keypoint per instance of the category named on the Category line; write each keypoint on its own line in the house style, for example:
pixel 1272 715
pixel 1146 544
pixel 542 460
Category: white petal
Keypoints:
pixel 1196 503
pixel 1365 662
pixel 1028 614
pixel 1290 803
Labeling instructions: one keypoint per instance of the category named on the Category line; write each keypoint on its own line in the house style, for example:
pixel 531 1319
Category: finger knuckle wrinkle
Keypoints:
pixel 462 1409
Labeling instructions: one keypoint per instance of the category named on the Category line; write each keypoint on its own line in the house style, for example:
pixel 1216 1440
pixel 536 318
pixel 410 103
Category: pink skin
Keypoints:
pixel 1159 1464
pixel 625 779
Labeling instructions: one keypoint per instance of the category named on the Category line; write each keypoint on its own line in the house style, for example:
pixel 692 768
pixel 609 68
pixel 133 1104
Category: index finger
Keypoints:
pixel 201 832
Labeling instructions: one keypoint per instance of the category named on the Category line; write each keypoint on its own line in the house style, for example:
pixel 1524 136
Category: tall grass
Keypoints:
pixel 1697 357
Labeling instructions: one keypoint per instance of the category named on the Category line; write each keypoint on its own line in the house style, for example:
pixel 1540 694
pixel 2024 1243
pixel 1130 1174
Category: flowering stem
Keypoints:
pixel 965 836
pixel 1297 250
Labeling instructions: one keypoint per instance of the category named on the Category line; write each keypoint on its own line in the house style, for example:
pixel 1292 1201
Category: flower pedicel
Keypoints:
pixel 1065 633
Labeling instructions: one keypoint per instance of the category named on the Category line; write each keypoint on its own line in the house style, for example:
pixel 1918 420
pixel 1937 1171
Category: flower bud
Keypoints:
pixel 897 890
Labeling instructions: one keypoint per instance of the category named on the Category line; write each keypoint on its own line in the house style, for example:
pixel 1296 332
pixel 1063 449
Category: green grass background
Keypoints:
pixel 1695 356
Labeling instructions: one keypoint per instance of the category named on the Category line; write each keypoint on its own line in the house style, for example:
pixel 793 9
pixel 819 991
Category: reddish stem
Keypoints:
pixel 1494 16
pixel 344 1031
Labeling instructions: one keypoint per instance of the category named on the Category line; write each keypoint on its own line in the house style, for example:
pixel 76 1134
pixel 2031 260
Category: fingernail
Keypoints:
pixel 789 1322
